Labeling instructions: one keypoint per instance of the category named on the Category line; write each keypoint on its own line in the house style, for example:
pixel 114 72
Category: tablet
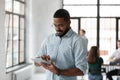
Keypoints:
pixel 39 60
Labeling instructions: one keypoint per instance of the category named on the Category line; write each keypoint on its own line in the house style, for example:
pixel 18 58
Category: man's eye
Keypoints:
pixel 60 25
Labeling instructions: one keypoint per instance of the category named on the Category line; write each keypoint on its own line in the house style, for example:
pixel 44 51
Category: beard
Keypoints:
pixel 60 33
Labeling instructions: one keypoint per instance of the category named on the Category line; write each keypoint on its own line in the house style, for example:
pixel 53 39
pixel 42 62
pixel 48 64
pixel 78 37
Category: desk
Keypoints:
pixel 107 68
pixel 110 67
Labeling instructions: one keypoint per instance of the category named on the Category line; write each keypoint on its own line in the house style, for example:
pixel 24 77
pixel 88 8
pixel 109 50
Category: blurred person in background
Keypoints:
pixel 114 60
pixel 94 62
pixel 82 33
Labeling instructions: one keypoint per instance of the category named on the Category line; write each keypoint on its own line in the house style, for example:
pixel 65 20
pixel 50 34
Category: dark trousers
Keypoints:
pixel 112 73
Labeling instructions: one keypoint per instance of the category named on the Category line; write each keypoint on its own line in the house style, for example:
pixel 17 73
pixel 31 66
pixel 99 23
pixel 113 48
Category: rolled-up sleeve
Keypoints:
pixel 80 52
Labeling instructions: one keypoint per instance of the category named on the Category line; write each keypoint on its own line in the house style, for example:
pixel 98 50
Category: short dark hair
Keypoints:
pixel 118 40
pixel 62 13
pixel 93 54
pixel 83 30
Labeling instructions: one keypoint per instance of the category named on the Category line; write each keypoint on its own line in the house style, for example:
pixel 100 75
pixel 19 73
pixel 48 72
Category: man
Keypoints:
pixel 116 55
pixel 114 60
pixel 65 50
pixel 82 33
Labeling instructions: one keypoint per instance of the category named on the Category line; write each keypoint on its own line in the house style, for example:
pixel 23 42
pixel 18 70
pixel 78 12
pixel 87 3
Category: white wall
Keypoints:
pixel 3 75
pixel 39 23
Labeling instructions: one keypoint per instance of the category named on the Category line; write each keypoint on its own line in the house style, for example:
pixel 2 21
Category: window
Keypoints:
pixel 100 19
pixel 15 31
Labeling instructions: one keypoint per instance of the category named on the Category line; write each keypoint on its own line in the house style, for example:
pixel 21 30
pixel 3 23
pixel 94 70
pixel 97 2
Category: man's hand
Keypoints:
pixel 51 67
pixel 113 60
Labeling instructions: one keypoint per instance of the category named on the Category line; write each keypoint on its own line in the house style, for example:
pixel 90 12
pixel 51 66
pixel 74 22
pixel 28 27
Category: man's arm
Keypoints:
pixel 112 59
pixel 65 72
pixel 70 72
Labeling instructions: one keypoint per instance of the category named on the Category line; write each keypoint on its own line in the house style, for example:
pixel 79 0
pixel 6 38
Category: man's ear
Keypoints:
pixel 69 22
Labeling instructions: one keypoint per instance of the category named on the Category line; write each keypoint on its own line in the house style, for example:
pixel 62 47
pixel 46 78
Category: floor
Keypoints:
pixel 41 76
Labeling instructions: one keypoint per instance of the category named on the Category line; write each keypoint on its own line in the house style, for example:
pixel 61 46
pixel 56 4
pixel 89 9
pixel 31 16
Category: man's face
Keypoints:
pixel 81 33
pixel 61 26
pixel 118 44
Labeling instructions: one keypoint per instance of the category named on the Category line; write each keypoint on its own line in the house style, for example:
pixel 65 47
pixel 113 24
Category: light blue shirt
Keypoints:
pixel 66 52
pixel 116 54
